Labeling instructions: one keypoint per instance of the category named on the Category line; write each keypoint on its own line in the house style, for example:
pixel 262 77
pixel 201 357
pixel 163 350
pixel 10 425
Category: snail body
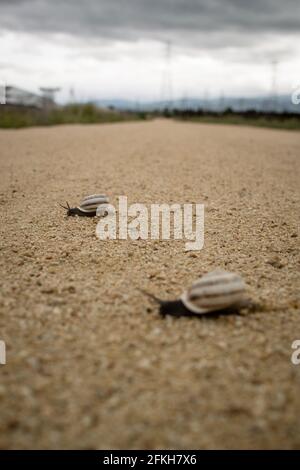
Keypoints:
pixel 214 292
pixel 88 206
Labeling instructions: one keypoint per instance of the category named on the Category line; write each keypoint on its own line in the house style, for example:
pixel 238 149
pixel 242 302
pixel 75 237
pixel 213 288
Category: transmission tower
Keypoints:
pixel 48 95
pixel 206 100
pixel 274 96
pixel 72 98
pixel 166 84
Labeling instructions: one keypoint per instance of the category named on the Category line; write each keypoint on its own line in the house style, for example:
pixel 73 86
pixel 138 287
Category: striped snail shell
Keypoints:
pixel 88 206
pixel 213 292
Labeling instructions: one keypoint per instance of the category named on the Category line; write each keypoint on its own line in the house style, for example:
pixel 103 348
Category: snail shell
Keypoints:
pixel 89 204
pixel 214 291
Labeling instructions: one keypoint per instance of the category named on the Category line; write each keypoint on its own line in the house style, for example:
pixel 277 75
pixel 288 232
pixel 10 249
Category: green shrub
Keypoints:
pixel 16 117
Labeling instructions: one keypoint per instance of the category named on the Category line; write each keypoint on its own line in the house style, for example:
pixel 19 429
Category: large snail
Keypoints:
pixel 88 206
pixel 213 292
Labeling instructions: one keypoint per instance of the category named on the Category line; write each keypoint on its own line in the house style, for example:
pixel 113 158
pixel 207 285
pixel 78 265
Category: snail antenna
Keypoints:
pixel 151 296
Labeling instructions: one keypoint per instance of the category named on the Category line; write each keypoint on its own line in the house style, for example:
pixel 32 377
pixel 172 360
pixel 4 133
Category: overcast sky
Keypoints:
pixel 117 48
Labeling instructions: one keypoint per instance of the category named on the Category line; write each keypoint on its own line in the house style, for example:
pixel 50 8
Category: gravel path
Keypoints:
pixel 90 363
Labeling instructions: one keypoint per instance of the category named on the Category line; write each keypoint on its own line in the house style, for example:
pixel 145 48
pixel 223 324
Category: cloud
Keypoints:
pixel 114 47
pixel 191 23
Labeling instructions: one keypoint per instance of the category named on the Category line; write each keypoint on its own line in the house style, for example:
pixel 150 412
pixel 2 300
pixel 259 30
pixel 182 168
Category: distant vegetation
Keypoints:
pixel 21 116
pixel 248 118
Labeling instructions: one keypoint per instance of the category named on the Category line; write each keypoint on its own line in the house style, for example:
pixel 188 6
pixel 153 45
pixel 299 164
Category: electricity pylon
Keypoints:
pixel 166 84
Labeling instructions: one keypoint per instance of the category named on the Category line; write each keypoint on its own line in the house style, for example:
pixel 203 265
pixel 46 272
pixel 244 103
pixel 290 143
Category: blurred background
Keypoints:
pixel 142 56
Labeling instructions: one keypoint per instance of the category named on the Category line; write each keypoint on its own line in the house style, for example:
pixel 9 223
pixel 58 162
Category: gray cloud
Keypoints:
pixel 193 23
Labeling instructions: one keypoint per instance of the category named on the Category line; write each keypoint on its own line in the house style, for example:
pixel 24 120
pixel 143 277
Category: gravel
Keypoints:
pixel 90 363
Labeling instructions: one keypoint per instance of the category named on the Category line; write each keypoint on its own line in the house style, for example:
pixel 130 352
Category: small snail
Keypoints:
pixel 88 206
pixel 213 292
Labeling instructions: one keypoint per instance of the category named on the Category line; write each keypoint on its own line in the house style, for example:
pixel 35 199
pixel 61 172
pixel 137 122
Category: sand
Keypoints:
pixel 90 363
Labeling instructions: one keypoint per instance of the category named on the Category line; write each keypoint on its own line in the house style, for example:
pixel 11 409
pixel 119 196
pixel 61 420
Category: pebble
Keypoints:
pixel 276 262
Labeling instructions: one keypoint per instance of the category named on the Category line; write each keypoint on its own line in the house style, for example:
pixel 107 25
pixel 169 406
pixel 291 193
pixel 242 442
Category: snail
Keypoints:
pixel 214 292
pixel 88 206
